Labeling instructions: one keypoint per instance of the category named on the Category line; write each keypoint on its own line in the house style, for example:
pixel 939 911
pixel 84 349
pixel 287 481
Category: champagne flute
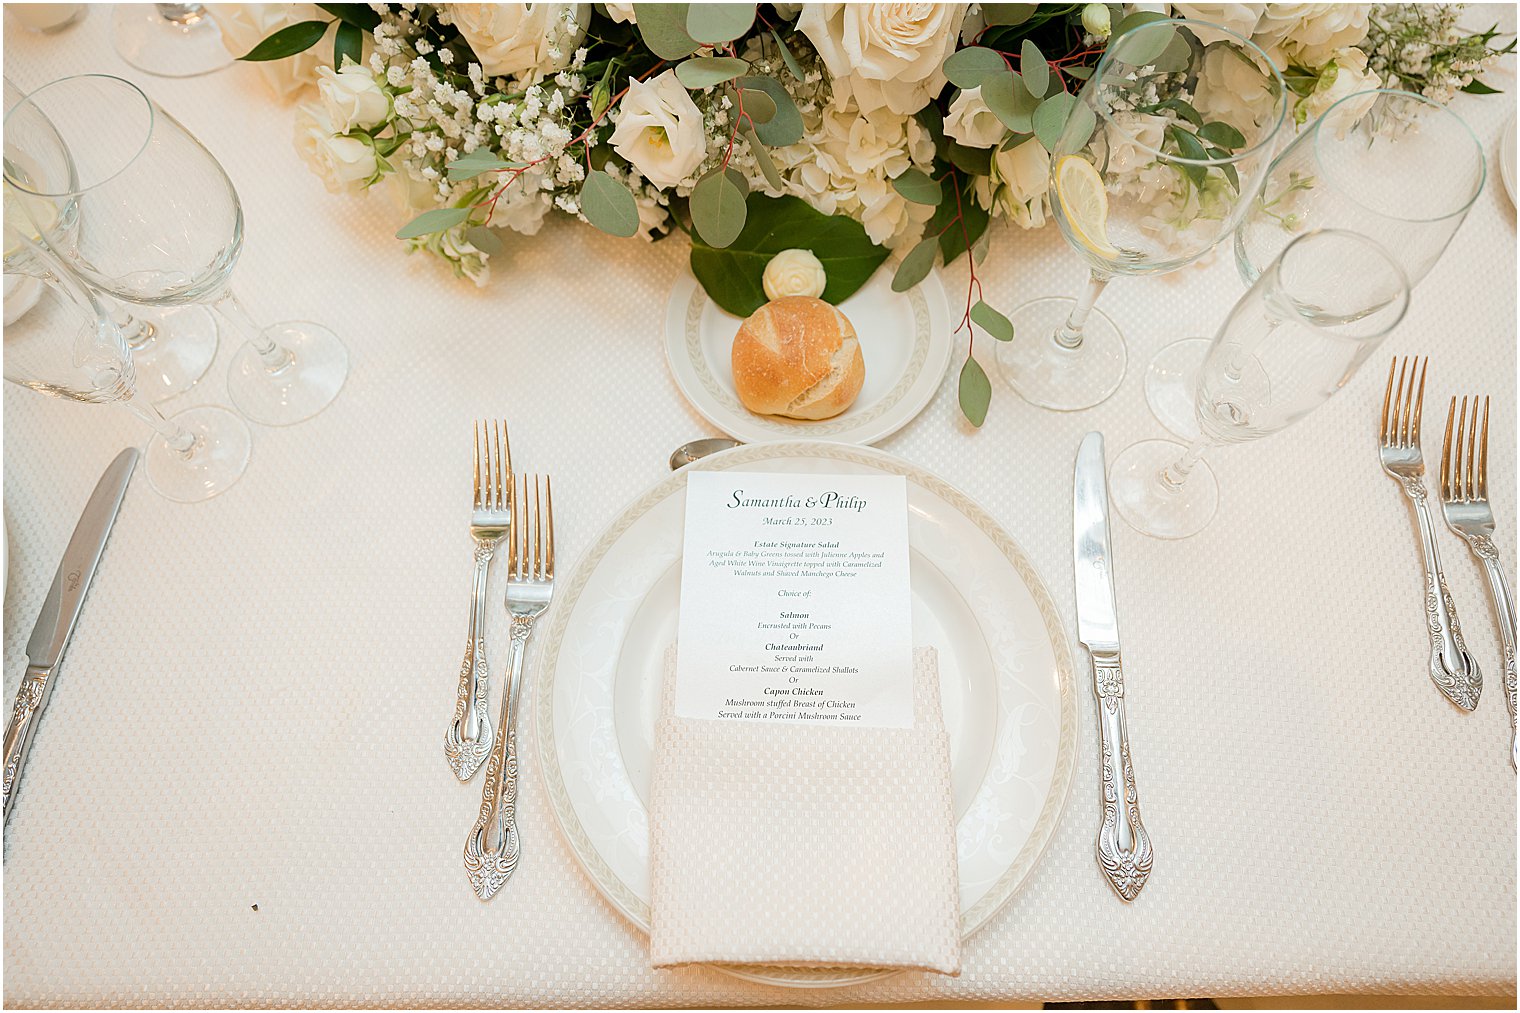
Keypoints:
pixel 1294 339
pixel 1350 169
pixel 1162 151
pixel 164 227
pixel 169 40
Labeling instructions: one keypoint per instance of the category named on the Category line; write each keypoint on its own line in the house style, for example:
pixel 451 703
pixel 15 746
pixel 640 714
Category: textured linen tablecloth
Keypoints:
pixel 238 795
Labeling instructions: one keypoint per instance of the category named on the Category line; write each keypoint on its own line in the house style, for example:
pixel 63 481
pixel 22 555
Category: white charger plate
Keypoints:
pixel 904 340
pixel 1007 688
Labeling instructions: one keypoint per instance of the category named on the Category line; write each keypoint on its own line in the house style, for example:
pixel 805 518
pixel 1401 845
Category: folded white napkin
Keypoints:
pixel 803 845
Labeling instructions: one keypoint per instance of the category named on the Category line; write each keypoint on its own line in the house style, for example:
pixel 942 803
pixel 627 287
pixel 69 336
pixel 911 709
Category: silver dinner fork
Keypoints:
pixel 1452 669
pixel 1464 502
pixel 491 853
pixel 469 738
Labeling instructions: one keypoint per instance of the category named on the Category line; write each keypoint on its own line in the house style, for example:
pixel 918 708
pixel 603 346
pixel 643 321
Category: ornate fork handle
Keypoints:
pixel 489 867
pixel 1452 668
pixel 1504 611
pixel 469 738
pixel 1124 847
pixel 31 697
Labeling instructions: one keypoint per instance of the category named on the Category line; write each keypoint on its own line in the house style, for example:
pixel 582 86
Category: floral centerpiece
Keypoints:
pixel 851 130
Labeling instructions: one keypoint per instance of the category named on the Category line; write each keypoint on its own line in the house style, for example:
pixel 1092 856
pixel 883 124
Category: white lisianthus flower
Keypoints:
pixel 1020 180
pixel 352 98
pixel 654 218
pixel 884 54
pixel 971 123
pixel 1232 88
pixel 659 129
pixel 244 26
pixel 794 272
pixel 1238 18
pixel 522 40
pixel 1345 75
pixel 623 13
pixel 1134 142
pixel 1310 34
pixel 788 12
pixel 344 164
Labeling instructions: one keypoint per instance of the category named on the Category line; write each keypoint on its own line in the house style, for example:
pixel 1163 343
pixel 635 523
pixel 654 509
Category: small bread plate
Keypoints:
pixel 904 340
pixel 1006 684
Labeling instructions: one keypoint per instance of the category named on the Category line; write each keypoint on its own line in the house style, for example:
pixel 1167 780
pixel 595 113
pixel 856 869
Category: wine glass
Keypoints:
pixel 1350 169
pixel 67 346
pixel 164 228
pixel 172 346
pixel 169 40
pixel 1161 152
pixel 1294 339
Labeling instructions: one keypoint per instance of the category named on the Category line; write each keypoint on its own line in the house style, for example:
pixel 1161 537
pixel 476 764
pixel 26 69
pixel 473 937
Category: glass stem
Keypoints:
pixel 1069 334
pixel 137 333
pixel 276 359
pixel 180 440
pixel 1175 474
pixel 181 14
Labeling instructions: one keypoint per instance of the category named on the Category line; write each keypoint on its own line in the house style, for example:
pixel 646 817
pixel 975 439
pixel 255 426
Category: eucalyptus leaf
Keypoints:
pixel 975 392
pixel 289 41
pixel 705 71
pixel 478 161
pixel 784 125
pixel 361 16
pixel 1140 48
pixel 486 240
pixel 436 220
pixel 915 267
pixel 1222 134
pixel 1050 119
pixel 991 321
pixel 759 107
pixel 1013 141
pixel 718 22
pixel 732 276
pixel 959 221
pixel 980 247
pixel 1033 67
pixel 916 186
pixel 1177 56
pixel 973 161
pixel 663 28
pixel 1010 101
pixel 1080 73
pixel 786 55
pixel 1008 14
pixel 609 205
pixel 763 159
pixel 348 44
pixel 966 68
pixel 717 207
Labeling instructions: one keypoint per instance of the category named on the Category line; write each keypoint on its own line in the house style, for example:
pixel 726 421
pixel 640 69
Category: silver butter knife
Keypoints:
pixel 60 611
pixel 1124 848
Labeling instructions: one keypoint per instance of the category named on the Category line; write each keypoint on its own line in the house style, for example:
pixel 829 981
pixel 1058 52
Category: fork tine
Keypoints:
pixel 1419 403
pixel 1387 399
pixel 476 434
pixel 503 468
pixel 1470 483
pixel 1400 408
pixel 538 529
pixel 519 530
pixel 1446 469
pixel 1483 451
pixel 506 466
pixel 549 513
pixel 1460 490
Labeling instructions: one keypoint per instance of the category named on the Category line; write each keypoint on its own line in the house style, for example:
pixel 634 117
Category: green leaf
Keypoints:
pixel 663 28
pixel 784 125
pixel 706 71
pixel 1178 106
pixel 1010 101
pixel 956 235
pixel 1222 134
pixel 973 161
pixel 288 41
pixel 436 220
pixel 1008 14
pixel 1050 119
pixel 759 107
pixel 1080 73
pixel 1034 68
pixel 1178 54
pixel 361 16
pixel 980 247
pixel 1188 147
pixel 609 205
pixel 991 321
pixel 763 159
pixel 916 186
pixel 486 240
pixel 930 119
pixel 975 392
pixel 1013 141
pixel 1142 47
pixel 1476 87
pixel 732 276
pixel 1301 81
pixel 966 68
pixel 915 267
pixel 478 161
pixel 717 207
pixel 1135 20
pixel 786 56
pixel 718 22
pixel 348 43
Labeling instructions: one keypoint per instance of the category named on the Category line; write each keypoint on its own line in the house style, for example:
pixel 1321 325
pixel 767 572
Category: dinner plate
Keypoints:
pixel 1507 157
pixel 1005 670
pixel 904 340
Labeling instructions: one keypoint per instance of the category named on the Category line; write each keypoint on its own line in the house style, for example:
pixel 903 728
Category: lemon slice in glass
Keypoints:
pixel 1084 202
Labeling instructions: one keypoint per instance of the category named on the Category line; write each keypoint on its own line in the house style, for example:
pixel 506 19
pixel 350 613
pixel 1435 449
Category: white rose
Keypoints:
pixel 1310 34
pixel 659 129
pixel 972 123
pixel 1344 76
pixel 794 272
pixel 623 13
pixel 1232 88
pixel 411 194
pixel 344 164
pixel 1239 18
pixel 1020 179
pixel 352 98
pixel 884 54
pixel 244 26
pixel 1134 141
pixel 522 40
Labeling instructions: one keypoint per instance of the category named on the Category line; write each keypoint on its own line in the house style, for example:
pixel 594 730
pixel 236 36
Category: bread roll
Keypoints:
pixel 797 356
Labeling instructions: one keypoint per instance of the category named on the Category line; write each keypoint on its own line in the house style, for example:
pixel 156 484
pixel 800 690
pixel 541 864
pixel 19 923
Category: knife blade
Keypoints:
pixel 1124 847
pixel 60 614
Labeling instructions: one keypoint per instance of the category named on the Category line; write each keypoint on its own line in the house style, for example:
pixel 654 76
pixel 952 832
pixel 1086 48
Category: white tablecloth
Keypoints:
pixel 238 795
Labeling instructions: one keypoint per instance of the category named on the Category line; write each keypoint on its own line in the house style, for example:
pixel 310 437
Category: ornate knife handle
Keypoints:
pixel 31 698
pixel 470 734
pixel 1504 611
pixel 489 867
pixel 1452 668
pixel 1124 847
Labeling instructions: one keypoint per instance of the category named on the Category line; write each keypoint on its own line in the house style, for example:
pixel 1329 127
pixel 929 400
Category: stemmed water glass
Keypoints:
pixel 1294 339
pixel 1410 193
pixel 170 40
pixel 1160 155
pixel 163 226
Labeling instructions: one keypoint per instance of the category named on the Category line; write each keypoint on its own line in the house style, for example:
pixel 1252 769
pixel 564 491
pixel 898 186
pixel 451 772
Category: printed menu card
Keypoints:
pixel 795 602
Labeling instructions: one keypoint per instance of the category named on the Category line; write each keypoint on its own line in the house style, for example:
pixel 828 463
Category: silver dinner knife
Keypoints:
pixel 1124 848
pixel 60 611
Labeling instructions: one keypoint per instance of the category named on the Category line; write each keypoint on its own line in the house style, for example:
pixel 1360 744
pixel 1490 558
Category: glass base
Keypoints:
pixel 1148 504
pixel 296 391
pixel 166 48
pixel 223 446
pixel 1171 385
pixel 1044 373
pixel 178 352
